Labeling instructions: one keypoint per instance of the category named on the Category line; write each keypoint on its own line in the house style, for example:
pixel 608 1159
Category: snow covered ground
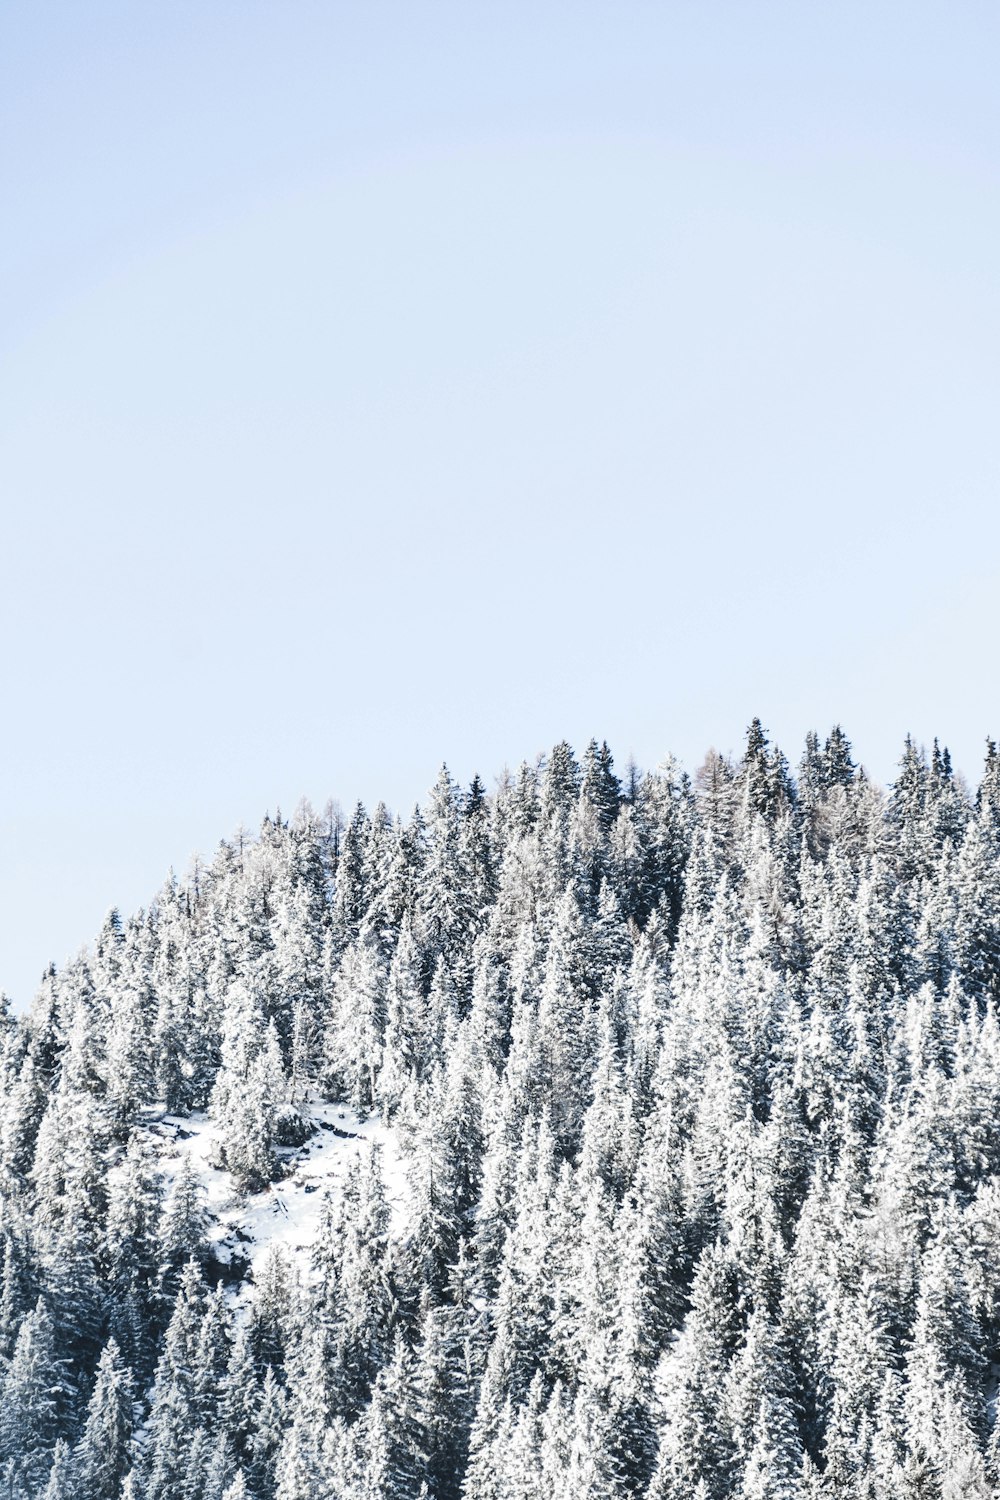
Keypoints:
pixel 287 1213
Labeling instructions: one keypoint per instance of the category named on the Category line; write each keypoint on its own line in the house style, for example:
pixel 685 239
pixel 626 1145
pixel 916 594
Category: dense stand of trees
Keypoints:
pixel 699 1089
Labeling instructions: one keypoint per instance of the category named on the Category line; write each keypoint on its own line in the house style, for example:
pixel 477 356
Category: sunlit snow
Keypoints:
pixel 244 1227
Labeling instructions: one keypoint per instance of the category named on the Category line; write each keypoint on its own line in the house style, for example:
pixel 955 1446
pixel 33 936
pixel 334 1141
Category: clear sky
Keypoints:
pixel 389 383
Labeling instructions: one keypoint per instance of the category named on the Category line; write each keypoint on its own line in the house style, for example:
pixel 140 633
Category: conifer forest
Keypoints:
pixel 602 1134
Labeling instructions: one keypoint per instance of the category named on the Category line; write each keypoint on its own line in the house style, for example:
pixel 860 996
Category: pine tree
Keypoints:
pixel 240 1396
pixel 355 1042
pixel 299 1465
pixel 271 1319
pixel 37 1402
pixel 696 1438
pixel 130 1261
pixel 266 1437
pixel 565 1027
pixel 101 1458
pixel 445 903
pixel 181 1233
pixel 61 1483
pixel 174 1411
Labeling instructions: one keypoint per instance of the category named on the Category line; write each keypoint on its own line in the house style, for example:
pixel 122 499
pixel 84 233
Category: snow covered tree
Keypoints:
pixel 38 1397
pixel 101 1458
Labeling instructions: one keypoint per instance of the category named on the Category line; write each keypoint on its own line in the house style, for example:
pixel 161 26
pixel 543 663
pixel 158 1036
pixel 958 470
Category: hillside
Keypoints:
pixel 591 1137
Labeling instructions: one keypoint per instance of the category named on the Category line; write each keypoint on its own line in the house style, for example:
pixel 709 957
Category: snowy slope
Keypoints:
pixel 288 1212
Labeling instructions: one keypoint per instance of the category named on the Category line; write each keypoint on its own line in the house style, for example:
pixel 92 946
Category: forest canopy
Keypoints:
pixel 695 1081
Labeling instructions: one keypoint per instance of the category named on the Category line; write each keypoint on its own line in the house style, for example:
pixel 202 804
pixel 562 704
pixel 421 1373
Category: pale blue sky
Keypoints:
pixel 384 383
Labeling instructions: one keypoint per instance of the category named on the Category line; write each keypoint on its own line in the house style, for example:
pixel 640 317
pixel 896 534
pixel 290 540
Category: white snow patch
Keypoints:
pixel 288 1212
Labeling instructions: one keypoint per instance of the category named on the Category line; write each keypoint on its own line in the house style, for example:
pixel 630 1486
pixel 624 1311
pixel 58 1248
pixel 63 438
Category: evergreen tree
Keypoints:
pixel 38 1399
pixel 101 1459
